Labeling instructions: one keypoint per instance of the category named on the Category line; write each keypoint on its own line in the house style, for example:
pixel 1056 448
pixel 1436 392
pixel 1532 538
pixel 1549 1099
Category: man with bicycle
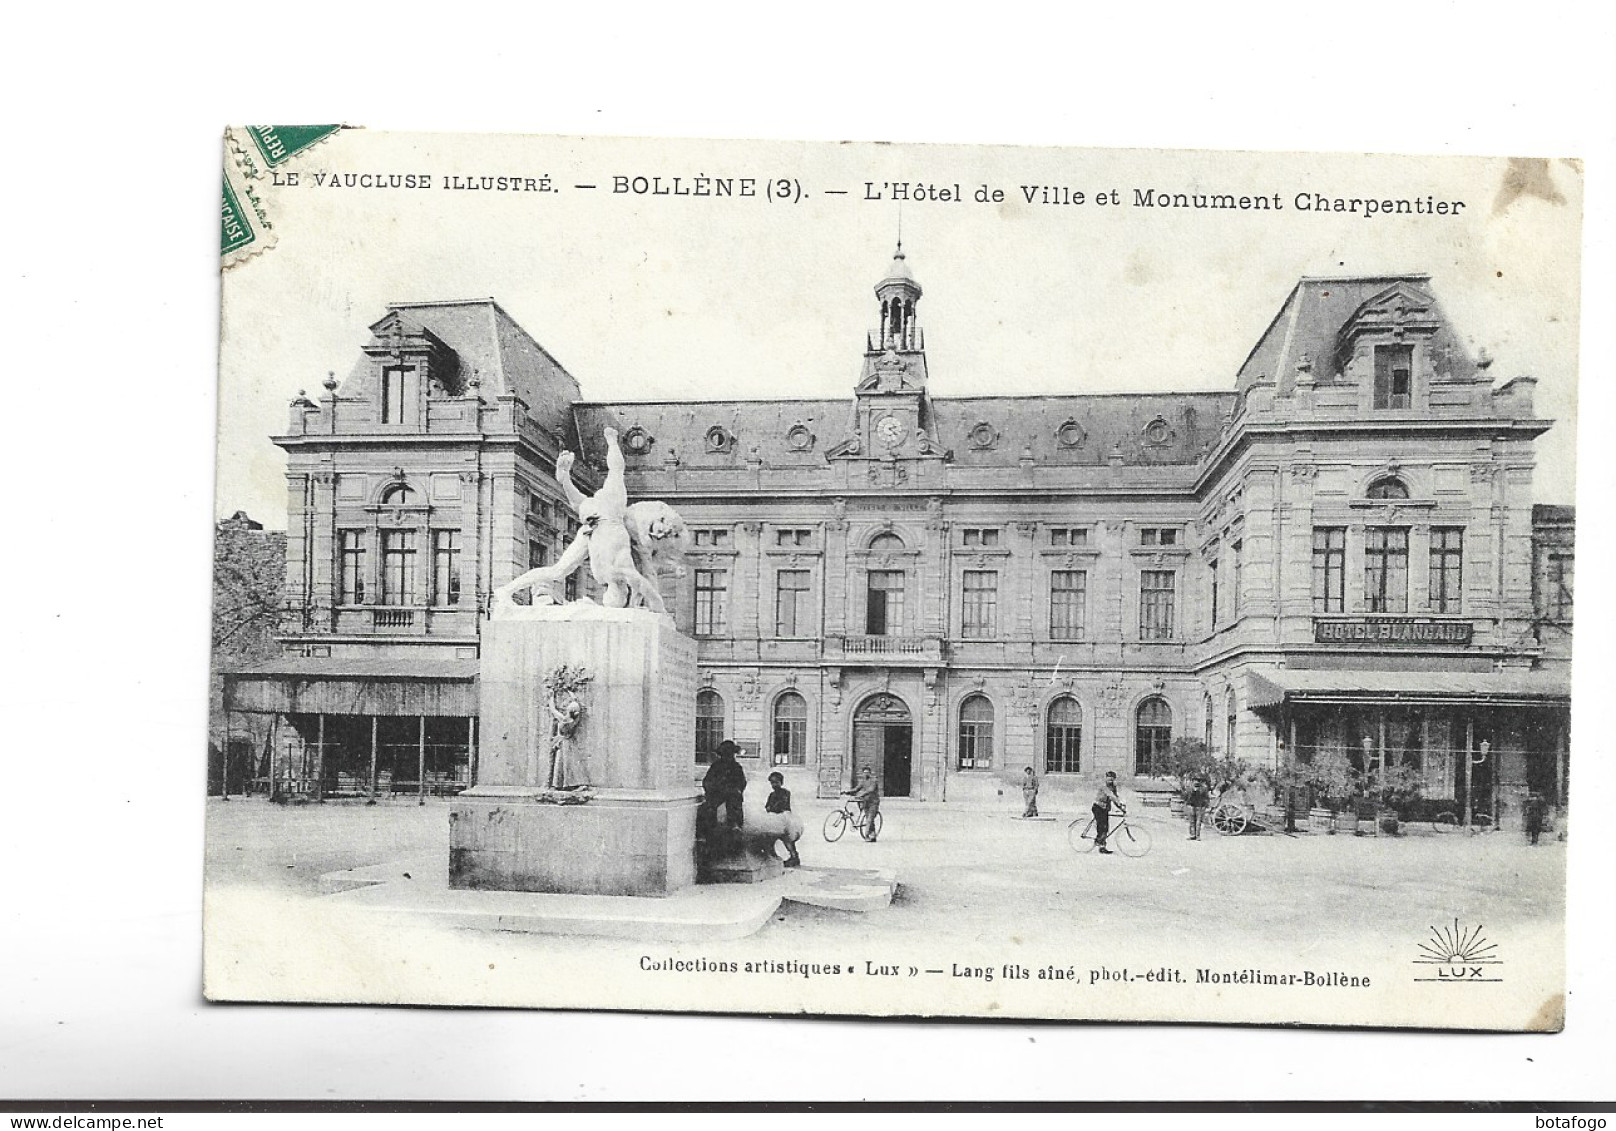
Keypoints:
pixel 1104 800
pixel 868 795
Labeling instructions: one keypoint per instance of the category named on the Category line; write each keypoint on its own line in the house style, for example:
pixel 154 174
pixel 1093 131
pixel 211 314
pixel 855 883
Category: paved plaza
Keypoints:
pixel 978 890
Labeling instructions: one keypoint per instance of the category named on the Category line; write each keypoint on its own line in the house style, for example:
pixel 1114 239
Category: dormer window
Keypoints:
pixel 398 382
pixel 1394 376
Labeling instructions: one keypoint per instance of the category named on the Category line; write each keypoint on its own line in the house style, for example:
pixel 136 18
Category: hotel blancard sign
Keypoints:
pixel 1391 630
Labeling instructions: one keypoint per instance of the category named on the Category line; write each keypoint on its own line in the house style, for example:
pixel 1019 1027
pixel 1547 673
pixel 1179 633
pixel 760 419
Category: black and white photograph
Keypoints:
pixel 902 580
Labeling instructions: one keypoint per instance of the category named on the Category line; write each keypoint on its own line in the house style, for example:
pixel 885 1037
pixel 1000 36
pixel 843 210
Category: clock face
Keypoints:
pixel 891 431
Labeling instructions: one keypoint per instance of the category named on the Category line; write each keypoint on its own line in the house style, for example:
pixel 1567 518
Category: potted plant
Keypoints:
pixel 1334 782
pixel 1291 782
pixel 1188 759
pixel 1397 789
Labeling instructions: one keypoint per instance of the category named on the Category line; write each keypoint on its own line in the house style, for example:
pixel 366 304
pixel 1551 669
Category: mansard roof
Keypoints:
pixel 1309 324
pixel 1141 428
pixel 488 340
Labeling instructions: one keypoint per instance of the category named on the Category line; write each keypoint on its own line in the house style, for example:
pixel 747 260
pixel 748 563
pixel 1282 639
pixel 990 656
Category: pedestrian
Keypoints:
pixel 1104 800
pixel 779 802
pixel 1029 793
pixel 868 795
pixel 1196 799
pixel 722 785
pixel 1535 810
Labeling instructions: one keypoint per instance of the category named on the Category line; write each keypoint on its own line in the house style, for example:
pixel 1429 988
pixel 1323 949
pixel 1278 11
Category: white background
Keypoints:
pixel 111 234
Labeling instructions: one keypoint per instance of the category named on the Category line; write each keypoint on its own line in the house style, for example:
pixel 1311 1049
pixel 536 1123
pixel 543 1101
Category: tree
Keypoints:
pixel 249 577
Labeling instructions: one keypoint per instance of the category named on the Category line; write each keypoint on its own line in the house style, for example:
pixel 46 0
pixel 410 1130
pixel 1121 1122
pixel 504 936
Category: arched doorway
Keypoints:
pixel 883 739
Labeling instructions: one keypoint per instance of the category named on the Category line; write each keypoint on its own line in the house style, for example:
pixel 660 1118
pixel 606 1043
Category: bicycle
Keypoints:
pixel 1126 837
pixel 868 825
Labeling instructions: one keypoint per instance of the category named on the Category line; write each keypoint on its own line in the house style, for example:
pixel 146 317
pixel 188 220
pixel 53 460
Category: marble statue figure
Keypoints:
pixel 626 546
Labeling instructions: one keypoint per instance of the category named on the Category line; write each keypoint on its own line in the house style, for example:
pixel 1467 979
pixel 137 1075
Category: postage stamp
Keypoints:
pixel 894 580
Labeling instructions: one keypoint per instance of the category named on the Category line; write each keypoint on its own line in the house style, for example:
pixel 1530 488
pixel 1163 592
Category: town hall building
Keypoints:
pixel 1339 552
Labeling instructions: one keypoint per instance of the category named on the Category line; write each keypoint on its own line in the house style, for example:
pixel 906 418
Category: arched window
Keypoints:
pixel 1063 737
pixel 1153 734
pixel 790 730
pixel 709 723
pixel 1228 746
pixel 976 734
pixel 1206 707
pixel 1390 487
pixel 397 495
pixel 883 591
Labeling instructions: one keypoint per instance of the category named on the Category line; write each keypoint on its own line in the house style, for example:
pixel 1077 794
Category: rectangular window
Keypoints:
pixel 1447 569
pixel 1394 376
pixel 1069 536
pixel 883 602
pixel 396 380
pixel 1213 566
pixel 538 506
pixel 791 603
pixel 353 568
pixel 538 554
pixel 717 539
pixel 712 591
pixel 793 537
pixel 1386 569
pixel 1329 569
pixel 398 567
pixel 979 609
pixel 981 536
pixel 1068 603
pixel 1157 588
pixel 1557 599
pixel 1237 588
pixel 1158 536
pixel 446 567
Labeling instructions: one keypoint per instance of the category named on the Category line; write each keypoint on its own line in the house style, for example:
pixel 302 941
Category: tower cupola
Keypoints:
pixel 898 293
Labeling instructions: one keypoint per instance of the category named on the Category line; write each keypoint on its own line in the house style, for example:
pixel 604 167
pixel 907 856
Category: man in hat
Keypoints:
pixel 723 786
pixel 1103 801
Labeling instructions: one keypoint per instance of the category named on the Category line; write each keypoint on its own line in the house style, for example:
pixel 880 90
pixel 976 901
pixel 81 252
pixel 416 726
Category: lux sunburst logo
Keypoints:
pixel 1457 954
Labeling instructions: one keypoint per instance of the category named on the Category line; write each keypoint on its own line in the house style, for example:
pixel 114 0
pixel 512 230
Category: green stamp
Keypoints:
pixel 237 230
pixel 279 144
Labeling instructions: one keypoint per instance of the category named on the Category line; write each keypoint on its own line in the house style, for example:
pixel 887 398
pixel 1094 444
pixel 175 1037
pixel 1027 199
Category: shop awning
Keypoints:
pixel 365 686
pixel 1510 688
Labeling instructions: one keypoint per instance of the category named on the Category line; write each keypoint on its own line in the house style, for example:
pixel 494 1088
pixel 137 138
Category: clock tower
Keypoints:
pixel 893 414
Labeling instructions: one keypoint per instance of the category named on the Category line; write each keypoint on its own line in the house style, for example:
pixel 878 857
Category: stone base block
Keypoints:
pixel 619 843
pixel 748 865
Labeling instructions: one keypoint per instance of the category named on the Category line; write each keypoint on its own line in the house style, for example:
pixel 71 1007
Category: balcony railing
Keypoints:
pixel 392 618
pixel 886 649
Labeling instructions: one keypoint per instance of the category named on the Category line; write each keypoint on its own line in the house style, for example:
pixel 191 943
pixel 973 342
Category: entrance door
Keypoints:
pixel 895 760
pixel 882 740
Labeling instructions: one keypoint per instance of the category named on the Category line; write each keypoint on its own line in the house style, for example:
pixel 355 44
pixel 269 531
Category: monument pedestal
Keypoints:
pixel 635 832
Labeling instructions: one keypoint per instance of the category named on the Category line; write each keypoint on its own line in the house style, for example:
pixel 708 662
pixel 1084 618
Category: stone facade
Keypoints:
pixel 951 588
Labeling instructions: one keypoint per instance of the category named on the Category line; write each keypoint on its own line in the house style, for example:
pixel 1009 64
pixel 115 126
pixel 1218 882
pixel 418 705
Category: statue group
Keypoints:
pixel 626 545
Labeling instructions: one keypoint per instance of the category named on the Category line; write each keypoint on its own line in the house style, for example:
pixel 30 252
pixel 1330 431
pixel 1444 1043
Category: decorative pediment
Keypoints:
pixel 1394 313
pixel 400 340
pixel 891 372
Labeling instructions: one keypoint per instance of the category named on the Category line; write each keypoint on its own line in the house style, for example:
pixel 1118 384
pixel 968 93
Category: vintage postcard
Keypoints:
pixel 893 580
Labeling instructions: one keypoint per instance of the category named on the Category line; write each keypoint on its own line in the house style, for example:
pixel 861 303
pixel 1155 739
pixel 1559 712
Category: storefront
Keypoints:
pixel 323 728
pixel 1480 741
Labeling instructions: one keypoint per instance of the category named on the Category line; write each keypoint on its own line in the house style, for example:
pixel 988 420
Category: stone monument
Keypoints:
pixel 588 718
